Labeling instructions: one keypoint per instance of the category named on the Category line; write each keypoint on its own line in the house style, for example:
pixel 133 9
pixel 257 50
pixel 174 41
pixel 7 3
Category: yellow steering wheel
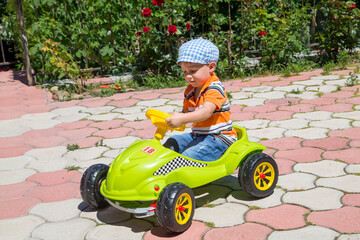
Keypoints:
pixel 158 119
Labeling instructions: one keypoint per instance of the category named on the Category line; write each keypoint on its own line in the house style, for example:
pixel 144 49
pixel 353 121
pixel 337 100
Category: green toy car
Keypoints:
pixel 148 179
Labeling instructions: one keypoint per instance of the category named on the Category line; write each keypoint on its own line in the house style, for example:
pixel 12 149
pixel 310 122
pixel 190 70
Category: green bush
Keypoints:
pixel 118 36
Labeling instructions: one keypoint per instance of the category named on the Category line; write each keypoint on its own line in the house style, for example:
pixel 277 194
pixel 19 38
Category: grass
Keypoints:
pixel 297 91
pixel 72 147
pixel 319 94
pixel 210 224
pixel 210 205
pixel 254 207
pixel 328 67
pixel 357 69
pixel 352 80
pixel 72 168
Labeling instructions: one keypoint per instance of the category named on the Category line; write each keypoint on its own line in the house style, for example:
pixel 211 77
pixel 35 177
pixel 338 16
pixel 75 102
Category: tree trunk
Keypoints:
pixel 229 39
pixel 20 16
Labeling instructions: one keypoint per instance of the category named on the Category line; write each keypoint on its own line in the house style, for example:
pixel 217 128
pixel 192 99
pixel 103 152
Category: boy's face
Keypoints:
pixel 197 74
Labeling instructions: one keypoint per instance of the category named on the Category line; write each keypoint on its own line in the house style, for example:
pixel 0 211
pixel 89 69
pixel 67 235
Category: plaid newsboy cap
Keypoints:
pixel 198 51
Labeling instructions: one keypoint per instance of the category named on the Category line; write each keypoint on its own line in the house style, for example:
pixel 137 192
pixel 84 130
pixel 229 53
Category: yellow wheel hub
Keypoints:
pixel 264 176
pixel 183 208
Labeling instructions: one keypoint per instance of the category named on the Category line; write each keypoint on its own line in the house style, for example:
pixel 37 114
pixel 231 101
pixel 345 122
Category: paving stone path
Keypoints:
pixel 310 124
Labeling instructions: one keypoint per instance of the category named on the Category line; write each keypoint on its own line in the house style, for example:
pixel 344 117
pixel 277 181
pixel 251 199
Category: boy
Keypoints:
pixel 205 105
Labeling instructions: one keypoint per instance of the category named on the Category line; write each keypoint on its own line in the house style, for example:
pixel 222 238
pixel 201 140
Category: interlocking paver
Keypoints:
pixel 268 133
pixel 152 103
pixel 271 201
pixel 349 237
pixel 53 178
pixel 249 102
pixel 51 164
pixel 293 87
pixel 315 199
pixel 46 153
pixel 86 153
pixel 123 142
pixel 309 232
pixel 351 115
pixel 303 95
pixel 348 155
pixel 15 162
pixel 308 133
pixel 344 220
pixel 75 229
pixel 330 143
pixel 353 168
pixel 19 228
pixel 132 230
pixel 17 207
pixel 290 124
pixel 15 176
pixel 270 95
pixel 249 231
pixel 305 154
pixel 325 168
pixel 352 199
pixel 318 165
pixel 98 110
pixel 107 215
pixel 297 181
pixel 332 124
pixel 12 128
pixel 344 183
pixel 287 216
pixel 57 211
pixel 220 215
pixel 257 89
pixel 284 143
pixel 196 231
pixel 316 115
pixel 104 117
pixel 253 124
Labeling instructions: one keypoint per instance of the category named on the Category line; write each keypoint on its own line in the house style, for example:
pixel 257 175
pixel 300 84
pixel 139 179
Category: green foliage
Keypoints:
pixel 73 168
pixel 328 67
pixel 297 91
pixel 72 147
pixel 338 31
pixel 63 64
pixel 109 34
pixel 352 80
pixel 282 34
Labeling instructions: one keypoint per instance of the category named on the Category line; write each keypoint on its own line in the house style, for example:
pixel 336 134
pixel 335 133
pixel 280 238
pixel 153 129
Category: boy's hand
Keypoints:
pixel 175 120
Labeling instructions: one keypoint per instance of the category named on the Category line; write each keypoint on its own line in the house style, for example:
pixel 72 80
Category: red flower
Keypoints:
pixel 138 33
pixel 172 29
pixel 158 2
pixel 262 33
pixel 146 29
pixel 188 26
pixel 353 6
pixel 146 12
pixel 334 18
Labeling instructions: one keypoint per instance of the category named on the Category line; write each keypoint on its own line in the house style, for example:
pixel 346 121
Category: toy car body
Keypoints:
pixel 148 178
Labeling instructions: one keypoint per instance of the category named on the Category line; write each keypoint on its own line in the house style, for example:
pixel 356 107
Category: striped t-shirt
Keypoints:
pixel 219 122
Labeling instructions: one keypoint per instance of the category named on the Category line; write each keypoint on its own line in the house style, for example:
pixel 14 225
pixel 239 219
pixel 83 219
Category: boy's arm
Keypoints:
pixel 199 115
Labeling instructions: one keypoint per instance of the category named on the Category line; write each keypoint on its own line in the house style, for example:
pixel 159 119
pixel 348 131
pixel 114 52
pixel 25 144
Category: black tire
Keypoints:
pixel 258 175
pixel 90 186
pixel 172 218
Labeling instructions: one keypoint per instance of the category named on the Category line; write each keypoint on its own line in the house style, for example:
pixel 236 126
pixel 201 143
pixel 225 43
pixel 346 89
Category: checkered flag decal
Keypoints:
pixel 177 162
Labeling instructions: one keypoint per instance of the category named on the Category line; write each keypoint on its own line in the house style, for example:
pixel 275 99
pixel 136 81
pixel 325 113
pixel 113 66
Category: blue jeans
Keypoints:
pixel 201 147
